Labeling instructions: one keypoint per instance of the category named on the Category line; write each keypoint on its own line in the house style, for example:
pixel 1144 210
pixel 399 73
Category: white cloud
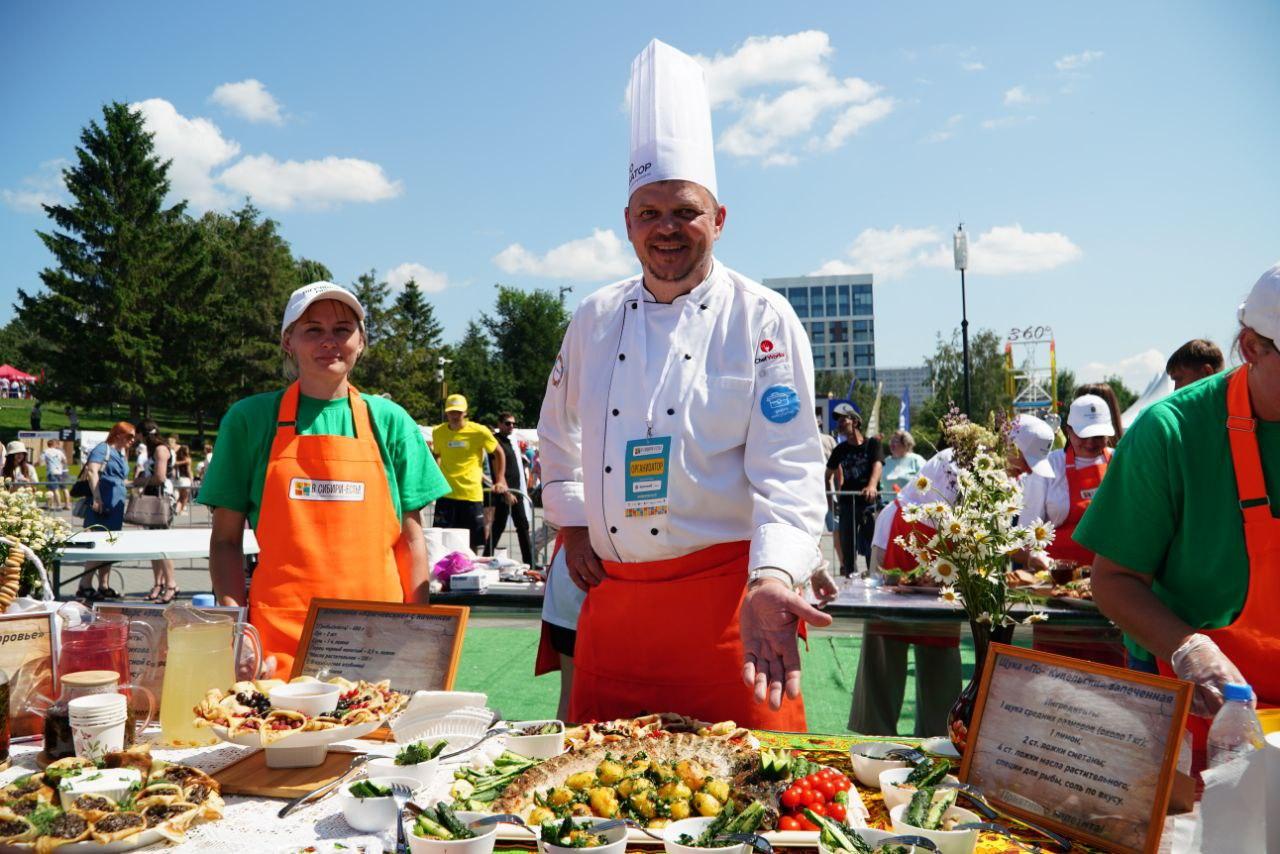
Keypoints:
pixel 782 96
pixel 1006 122
pixel 309 183
pixel 601 256
pixel 1136 370
pixel 427 280
pixel 249 100
pixel 973 66
pixel 195 146
pixel 1003 250
pixel 1017 97
pixel 767 61
pixel 1076 61
pixel 44 187
pixel 947 131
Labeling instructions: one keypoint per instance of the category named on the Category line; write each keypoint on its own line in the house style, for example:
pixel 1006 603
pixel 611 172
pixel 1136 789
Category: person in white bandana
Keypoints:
pixel 679 457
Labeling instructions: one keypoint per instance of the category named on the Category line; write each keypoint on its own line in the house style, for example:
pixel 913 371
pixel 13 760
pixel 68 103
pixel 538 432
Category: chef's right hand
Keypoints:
pixel 584 567
pixel 1200 662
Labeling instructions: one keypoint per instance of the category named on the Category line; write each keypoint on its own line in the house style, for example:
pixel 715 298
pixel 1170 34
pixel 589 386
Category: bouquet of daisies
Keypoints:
pixel 975 537
pixel 22 519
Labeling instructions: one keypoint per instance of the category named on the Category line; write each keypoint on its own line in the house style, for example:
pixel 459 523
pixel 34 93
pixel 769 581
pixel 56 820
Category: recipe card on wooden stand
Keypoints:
pixel 417 647
pixel 26 655
pixel 1086 749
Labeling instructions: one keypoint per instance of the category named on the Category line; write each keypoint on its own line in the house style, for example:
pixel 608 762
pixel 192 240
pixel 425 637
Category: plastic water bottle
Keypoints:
pixel 1235 730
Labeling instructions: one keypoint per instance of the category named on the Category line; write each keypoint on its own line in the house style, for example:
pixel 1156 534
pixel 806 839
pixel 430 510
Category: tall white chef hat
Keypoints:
pixel 670 120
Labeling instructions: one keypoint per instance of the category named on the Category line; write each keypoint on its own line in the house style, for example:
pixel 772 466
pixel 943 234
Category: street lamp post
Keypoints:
pixel 961 245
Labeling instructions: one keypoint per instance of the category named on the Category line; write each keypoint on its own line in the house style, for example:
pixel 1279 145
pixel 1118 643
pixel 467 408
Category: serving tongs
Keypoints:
pixel 470 747
pixel 755 840
pixel 906 754
pixel 924 843
pixel 356 764
pixel 978 801
pixel 996 827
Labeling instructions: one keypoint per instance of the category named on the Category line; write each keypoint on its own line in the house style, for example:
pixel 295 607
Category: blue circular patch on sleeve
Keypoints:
pixel 780 404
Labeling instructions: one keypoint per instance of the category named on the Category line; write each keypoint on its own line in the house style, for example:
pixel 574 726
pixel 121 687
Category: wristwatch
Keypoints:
pixel 762 572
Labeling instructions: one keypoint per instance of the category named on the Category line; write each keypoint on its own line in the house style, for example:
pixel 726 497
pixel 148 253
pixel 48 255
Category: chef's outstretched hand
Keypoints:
pixel 771 613
pixel 584 567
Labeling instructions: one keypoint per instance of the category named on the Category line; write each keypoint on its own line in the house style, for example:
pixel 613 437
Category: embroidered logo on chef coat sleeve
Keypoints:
pixel 779 404
pixel 557 372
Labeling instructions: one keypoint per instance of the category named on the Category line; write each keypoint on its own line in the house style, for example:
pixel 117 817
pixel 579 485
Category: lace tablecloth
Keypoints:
pixel 250 824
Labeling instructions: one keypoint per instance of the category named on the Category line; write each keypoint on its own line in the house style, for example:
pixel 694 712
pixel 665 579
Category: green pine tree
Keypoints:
pixel 102 326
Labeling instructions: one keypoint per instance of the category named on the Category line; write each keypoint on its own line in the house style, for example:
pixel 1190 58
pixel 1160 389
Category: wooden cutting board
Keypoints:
pixel 251 776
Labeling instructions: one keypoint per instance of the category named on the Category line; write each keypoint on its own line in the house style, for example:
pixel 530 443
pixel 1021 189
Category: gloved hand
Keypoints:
pixel 1200 662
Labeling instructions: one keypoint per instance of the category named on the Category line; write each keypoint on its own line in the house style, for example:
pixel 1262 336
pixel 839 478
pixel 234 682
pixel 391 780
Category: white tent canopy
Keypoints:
pixel 1159 387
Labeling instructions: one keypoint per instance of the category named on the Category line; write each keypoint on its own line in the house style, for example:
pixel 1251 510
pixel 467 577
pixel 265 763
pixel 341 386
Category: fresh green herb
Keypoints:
pixel 419 752
pixel 369 789
pixel 484 786
pixel 570 834
pixel 59 776
pixel 837 838
pixel 43 817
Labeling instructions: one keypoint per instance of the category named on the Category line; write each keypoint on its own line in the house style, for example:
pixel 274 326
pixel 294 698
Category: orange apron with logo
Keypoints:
pixel 1252 640
pixel 1082 483
pixel 327 529
pixel 663 636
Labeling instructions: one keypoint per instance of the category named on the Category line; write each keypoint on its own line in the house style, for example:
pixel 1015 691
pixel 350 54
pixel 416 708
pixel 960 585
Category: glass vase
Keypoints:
pixel 961 714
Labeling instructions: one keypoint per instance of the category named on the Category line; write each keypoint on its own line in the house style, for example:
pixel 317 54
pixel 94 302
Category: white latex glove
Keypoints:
pixel 1200 662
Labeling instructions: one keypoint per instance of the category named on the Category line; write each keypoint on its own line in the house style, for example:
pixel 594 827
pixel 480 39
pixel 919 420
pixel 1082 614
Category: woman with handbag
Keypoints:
pixel 106 471
pixel 152 507
pixel 332 481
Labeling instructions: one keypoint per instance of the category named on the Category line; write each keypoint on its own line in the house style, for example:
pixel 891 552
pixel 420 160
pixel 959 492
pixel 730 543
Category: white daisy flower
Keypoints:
pixel 943 571
pixel 922 484
pixel 949 595
pixel 1041 533
pixel 983 618
pixel 1035 617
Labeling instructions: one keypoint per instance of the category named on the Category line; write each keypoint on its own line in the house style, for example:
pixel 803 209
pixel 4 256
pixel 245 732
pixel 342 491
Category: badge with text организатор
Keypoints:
pixel 648 470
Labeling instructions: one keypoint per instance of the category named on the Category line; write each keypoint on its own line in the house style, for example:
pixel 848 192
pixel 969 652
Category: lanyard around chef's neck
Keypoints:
pixel 686 311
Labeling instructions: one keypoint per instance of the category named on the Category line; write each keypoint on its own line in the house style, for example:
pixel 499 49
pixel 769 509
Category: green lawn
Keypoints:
pixel 499 662
pixel 15 415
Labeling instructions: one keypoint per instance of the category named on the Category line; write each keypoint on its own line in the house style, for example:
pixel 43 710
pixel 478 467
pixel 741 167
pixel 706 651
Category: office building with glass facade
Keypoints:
pixel 837 313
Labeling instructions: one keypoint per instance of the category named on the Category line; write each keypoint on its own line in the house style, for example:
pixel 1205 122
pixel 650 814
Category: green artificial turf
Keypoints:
pixel 499 662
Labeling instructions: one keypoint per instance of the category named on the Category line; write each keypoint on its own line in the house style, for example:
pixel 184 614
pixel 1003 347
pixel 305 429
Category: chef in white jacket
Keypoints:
pixel 679 458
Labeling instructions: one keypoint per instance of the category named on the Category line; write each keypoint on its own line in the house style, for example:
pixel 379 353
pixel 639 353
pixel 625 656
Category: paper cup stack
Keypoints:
pixel 97 724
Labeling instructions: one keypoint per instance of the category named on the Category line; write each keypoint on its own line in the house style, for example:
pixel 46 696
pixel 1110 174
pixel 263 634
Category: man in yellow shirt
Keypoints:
pixel 460 446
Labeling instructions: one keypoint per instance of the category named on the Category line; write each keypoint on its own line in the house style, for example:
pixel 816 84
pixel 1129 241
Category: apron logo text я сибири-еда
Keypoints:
pixel 306 489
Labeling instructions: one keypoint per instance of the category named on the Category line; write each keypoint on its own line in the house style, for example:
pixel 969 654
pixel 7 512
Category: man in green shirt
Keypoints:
pixel 1175 568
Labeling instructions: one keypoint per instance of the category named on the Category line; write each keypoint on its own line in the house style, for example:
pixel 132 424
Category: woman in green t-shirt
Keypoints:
pixel 332 481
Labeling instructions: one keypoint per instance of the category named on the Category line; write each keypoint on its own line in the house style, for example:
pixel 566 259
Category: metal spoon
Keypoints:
pixel 906 754
pixel 488 735
pixel 755 840
pixel 624 822
pixel 996 827
pixel 921 842
pixel 326 788
pixel 978 801
pixel 502 818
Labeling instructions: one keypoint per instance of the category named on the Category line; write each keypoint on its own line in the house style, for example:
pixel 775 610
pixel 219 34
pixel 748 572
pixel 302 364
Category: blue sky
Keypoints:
pixel 1115 163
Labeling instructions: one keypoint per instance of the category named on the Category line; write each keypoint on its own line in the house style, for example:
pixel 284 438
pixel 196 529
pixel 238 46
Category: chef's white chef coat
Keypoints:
pixel 1047 498
pixel 726 372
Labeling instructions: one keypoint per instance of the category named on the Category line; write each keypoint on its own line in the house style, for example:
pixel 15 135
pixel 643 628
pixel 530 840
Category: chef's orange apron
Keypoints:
pixel 327 528
pixel 1252 640
pixel 1082 484
pixel 1091 643
pixel 663 636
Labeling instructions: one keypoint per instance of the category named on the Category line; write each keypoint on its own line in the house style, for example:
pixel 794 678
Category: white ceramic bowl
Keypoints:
pixel 695 828
pixel 615 841
pixel 895 794
pixel 536 746
pixel 869 835
pixel 481 843
pixel 868 761
pixel 372 815
pixel 385 766
pixel 310 698
pixel 948 841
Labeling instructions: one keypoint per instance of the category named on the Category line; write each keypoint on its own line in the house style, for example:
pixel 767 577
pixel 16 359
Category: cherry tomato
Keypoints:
pixel 788 823
pixel 819 809
pixel 828 774
pixel 844 784
pixel 791 797
pixel 837 812
pixel 827 788
pixel 805 824
pixel 812 797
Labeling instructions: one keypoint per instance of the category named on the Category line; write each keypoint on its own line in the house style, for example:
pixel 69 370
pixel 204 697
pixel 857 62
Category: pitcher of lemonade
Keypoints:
pixel 201 656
